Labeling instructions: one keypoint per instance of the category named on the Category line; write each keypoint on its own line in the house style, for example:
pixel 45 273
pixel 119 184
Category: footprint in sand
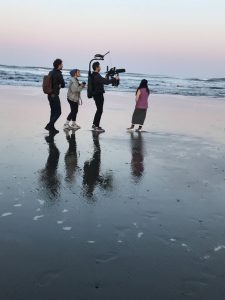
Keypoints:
pixel 219 248
pixel 173 240
pixel 186 246
pixel 206 257
pixel 67 228
pixel 140 234
pixel 6 214
pixel 36 218
pixel 59 222
pixel 47 278
pixel 106 258
pixel 41 202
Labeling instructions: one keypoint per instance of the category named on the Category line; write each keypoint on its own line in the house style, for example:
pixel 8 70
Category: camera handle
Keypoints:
pixel 97 57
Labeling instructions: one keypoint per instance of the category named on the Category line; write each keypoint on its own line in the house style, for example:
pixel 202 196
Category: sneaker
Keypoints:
pixel 99 129
pixel 130 129
pixel 53 131
pixel 47 127
pixel 75 126
pixel 66 126
pixel 139 130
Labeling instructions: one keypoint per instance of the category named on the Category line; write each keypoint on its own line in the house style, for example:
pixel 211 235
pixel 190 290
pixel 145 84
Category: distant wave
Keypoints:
pixel 216 79
pixel 159 84
pixel 216 88
pixel 196 79
pixel 207 80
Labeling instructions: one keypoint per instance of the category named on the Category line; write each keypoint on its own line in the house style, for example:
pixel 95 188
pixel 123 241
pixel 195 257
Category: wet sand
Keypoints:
pixel 116 215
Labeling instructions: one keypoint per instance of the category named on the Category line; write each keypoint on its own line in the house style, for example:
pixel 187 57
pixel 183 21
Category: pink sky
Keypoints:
pixel 167 38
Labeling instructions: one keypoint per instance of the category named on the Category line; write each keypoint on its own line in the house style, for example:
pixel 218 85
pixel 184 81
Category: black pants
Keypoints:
pixel 55 106
pixel 73 110
pixel 99 101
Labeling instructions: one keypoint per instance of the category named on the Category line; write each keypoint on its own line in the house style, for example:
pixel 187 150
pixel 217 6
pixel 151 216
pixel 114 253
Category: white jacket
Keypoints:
pixel 74 90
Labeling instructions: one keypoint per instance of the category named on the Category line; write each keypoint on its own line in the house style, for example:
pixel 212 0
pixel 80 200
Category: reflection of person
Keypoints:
pixel 73 98
pixel 49 177
pixel 54 101
pixel 98 94
pixel 137 152
pixel 71 158
pixel 92 176
pixel 141 107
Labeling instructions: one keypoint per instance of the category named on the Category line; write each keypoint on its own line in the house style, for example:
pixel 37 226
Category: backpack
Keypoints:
pixel 47 84
pixel 90 87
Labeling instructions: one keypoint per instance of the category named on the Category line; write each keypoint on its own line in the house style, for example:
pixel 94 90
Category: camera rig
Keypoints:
pixel 110 73
pixel 96 57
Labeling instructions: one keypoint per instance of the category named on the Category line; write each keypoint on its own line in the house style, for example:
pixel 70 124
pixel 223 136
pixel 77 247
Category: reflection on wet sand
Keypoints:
pixel 137 159
pixel 49 178
pixel 92 167
pixel 71 159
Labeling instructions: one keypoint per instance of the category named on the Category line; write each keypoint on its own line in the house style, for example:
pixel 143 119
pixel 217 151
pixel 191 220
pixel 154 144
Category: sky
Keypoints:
pixel 164 37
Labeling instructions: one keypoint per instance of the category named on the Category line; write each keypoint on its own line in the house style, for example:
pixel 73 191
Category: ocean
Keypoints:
pixel 159 84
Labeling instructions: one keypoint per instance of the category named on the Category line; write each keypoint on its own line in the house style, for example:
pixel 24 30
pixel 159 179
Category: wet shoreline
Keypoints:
pixel 110 216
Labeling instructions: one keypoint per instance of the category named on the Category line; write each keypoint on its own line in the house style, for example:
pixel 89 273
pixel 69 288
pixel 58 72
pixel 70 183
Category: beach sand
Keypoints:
pixel 117 215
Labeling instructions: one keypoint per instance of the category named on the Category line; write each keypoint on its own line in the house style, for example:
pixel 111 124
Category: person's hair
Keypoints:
pixel 57 63
pixel 95 65
pixel 143 84
pixel 73 72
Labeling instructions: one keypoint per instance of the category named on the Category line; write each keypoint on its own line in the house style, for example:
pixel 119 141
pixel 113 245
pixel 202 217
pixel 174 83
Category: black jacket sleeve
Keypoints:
pixel 60 80
pixel 99 82
pixel 102 80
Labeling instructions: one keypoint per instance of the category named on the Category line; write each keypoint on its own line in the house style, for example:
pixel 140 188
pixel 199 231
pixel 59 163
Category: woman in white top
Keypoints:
pixel 73 98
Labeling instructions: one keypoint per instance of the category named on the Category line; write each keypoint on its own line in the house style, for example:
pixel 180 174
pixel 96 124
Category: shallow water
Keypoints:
pixel 109 216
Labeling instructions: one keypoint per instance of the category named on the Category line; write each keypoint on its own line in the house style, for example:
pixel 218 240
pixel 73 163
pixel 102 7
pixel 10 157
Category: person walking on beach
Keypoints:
pixel 54 100
pixel 141 106
pixel 98 94
pixel 74 99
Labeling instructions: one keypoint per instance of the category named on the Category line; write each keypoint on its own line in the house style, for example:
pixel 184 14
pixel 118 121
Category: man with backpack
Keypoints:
pixel 51 86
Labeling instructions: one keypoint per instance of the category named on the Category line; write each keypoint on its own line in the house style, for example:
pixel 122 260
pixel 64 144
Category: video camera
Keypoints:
pixel 112 72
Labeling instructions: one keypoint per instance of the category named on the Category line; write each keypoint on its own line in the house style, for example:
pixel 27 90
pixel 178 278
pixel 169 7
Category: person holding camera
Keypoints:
pixel 74 99
pixel 98 94
pixel 54 100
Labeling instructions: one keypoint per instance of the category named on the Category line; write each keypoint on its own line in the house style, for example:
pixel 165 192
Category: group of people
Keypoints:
pixel 74 98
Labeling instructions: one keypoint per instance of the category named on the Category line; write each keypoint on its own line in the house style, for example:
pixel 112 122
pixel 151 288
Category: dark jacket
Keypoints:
pixel 57 81
pixel 98 83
